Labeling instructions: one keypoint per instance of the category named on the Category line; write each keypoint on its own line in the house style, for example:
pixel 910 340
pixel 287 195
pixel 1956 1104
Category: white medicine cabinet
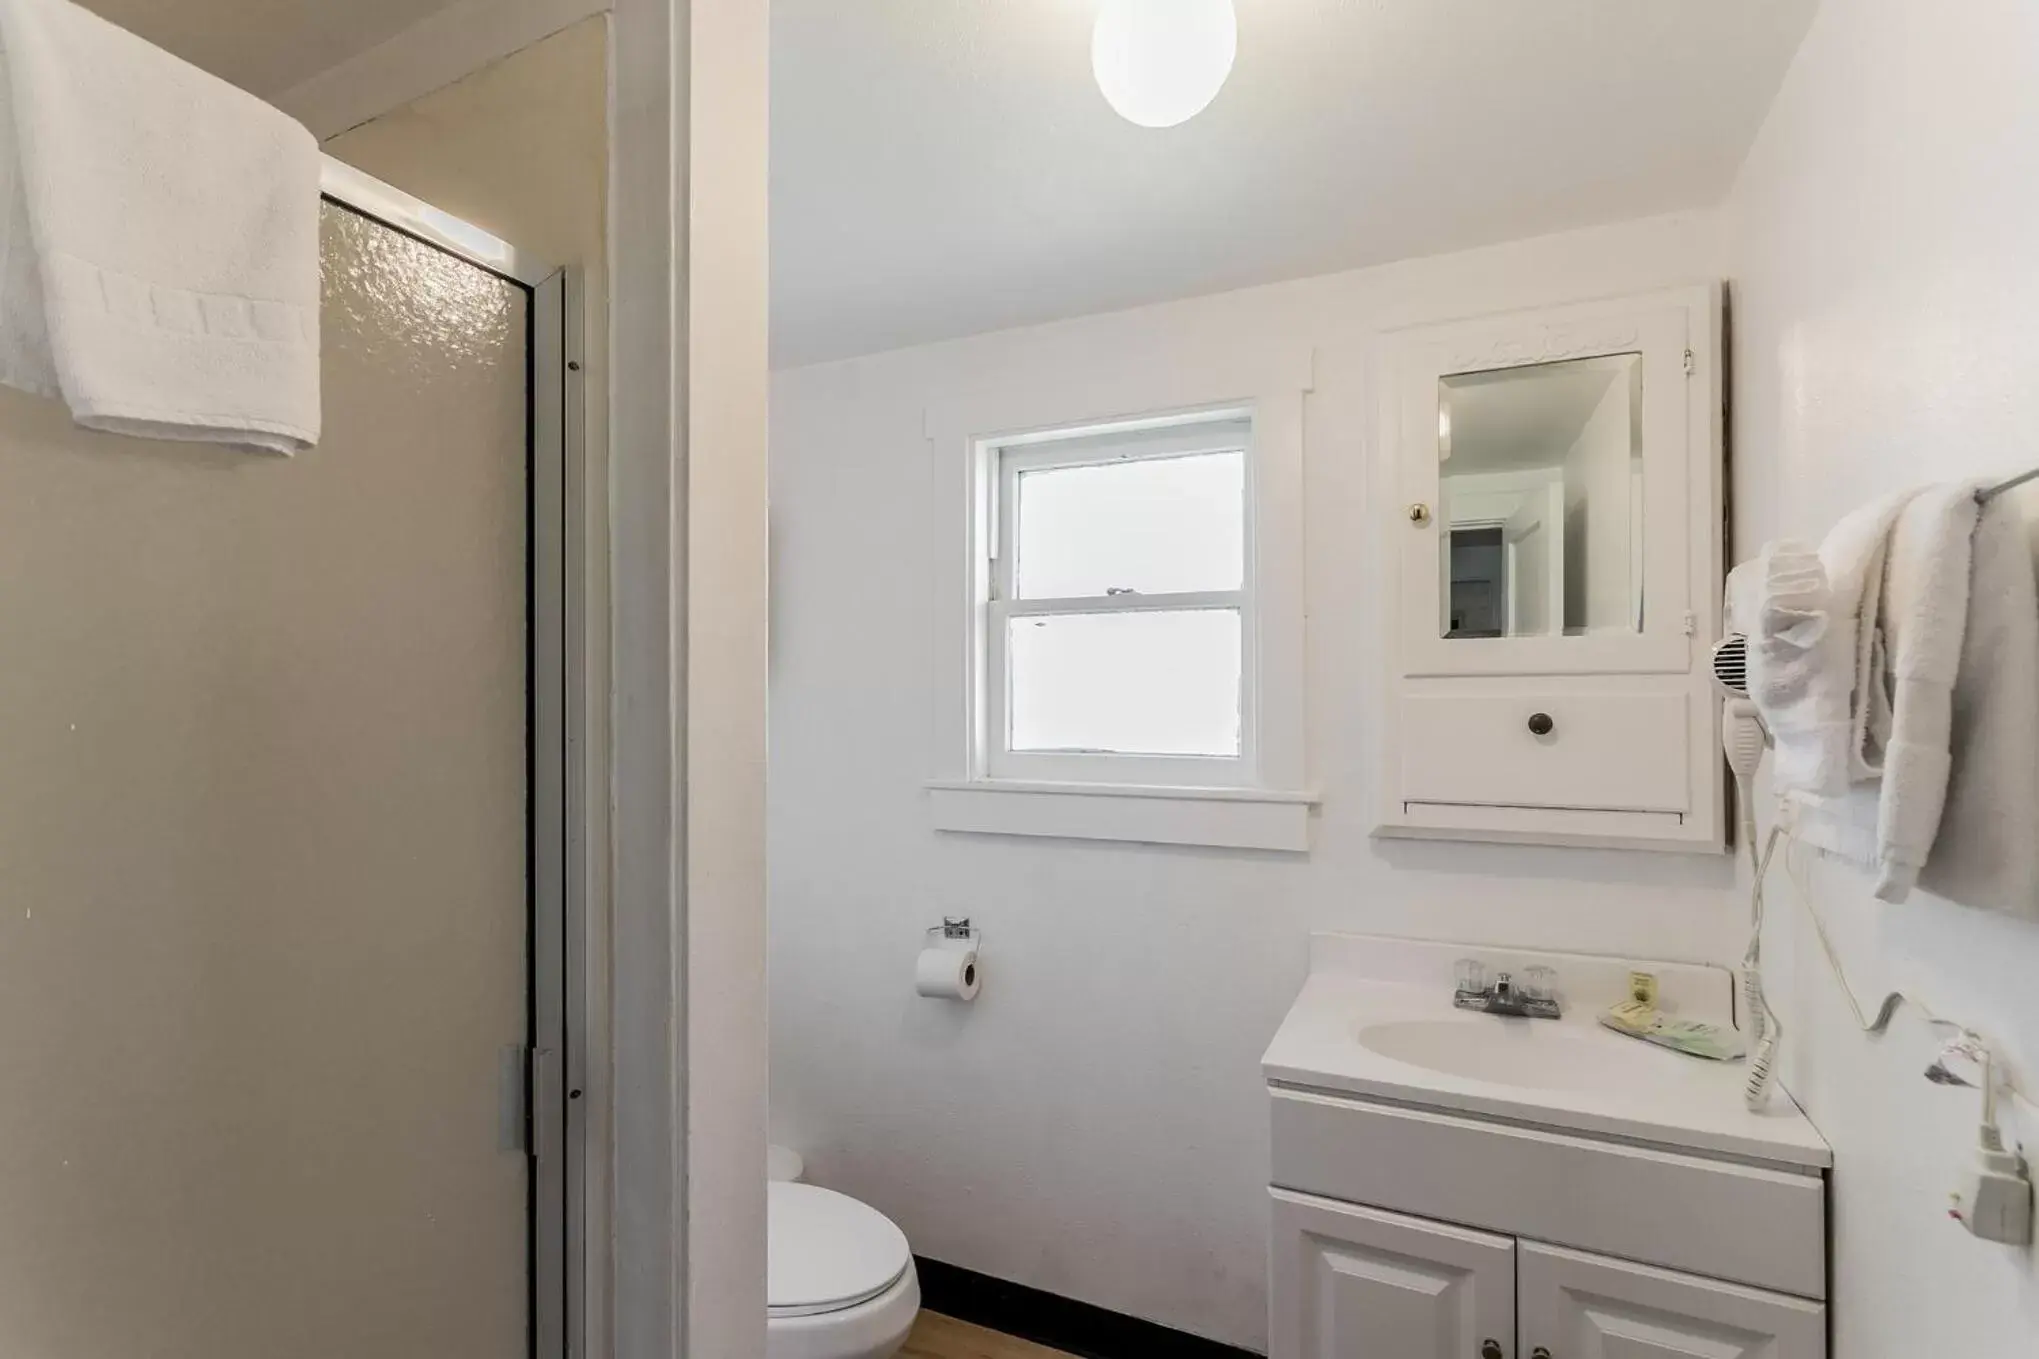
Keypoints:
pixel 1551 501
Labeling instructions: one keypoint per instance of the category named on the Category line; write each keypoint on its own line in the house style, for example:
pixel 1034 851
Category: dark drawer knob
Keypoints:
pixel 1541 725
pixel 1491 1350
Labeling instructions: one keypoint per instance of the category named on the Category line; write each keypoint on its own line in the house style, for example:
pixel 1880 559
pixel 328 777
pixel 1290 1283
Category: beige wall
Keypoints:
pixel 519 148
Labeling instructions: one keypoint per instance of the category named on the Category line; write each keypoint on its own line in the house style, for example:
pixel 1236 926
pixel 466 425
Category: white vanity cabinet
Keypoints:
pixel 1550 509
pixel 1450 1183
pixel 1358 1283
pixel 1401 1232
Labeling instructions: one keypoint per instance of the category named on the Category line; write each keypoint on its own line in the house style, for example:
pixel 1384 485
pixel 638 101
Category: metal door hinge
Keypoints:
pixel 513 1098
pixel 1691 363
pixel 1691 625
pixel 529 1106
pixel 545 1109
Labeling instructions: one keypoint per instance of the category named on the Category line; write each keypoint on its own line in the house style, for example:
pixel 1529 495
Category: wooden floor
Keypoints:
pixel 938 1337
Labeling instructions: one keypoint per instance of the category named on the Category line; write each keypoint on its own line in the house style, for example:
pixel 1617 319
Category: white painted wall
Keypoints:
pixel 1886 321
pixel 1597 527
pixel 1095 1124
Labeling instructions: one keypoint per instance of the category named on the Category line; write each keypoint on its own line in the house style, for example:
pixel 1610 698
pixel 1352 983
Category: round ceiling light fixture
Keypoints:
pixel 1161 62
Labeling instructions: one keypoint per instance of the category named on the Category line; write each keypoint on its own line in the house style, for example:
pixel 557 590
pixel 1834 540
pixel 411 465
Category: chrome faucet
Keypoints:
pixel 1534 997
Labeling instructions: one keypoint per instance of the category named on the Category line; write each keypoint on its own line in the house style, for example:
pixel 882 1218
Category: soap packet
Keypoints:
pixel 1694 1038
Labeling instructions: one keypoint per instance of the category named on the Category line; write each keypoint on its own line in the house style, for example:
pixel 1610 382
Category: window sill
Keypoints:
pixel 1228 818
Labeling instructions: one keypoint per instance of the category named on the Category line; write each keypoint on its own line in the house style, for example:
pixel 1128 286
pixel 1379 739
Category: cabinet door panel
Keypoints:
pixel 1579 1306
pixel 1472 463
pixel 1357 1283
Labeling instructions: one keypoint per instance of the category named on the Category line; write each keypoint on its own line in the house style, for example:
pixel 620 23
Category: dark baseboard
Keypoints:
pixel 1057 1322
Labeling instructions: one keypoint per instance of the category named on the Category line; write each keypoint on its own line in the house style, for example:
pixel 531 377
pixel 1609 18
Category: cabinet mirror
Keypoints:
pixel 1540 487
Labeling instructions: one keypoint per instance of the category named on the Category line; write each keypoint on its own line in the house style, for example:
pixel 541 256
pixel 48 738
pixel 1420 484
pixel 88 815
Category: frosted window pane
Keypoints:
pixel 1126 683
pixel 1152 525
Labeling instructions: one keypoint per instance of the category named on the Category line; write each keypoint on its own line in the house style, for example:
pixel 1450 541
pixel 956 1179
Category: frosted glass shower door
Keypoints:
pixel 264 887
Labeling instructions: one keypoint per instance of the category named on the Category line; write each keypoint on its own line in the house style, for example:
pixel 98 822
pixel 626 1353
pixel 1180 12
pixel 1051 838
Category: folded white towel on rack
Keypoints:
pixel 1987 853
pixel 1916 617
pixel 1925 617
pixel 159 263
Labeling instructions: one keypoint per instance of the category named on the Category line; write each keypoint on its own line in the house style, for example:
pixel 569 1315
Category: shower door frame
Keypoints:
pixel 541 1115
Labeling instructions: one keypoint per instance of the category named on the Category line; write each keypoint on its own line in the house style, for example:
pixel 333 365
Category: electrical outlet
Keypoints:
pixel 1995 1198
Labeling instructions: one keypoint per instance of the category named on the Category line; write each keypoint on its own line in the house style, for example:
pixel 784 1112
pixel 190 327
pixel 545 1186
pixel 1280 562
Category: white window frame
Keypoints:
pixel 1223 431
pixel 1261 800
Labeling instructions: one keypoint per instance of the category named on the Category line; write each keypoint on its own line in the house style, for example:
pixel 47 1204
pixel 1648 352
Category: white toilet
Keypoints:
pixel 840 1282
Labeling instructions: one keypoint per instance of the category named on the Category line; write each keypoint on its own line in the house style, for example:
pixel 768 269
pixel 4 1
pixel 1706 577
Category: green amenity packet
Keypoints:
pixel 1692 1037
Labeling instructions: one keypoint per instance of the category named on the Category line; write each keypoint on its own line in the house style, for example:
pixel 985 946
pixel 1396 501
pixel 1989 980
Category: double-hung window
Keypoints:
pixel 1119 618
pixel 1118 633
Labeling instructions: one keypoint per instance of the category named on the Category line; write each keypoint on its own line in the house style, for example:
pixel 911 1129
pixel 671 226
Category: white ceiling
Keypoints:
pixel 944 167
pixel 265 45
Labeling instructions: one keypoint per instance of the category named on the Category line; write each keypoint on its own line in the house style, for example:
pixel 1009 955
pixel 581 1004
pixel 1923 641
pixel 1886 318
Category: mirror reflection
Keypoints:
pixel 1540 499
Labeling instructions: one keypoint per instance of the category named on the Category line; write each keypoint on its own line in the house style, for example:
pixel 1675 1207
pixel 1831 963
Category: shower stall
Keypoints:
pixel 381 867
pixel 287 841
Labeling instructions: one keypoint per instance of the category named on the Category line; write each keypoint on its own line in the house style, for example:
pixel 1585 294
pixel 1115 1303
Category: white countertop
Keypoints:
pixel 1609 1084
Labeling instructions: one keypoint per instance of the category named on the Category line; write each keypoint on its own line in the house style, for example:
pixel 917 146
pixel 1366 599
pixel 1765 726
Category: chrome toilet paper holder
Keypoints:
pixel 955 931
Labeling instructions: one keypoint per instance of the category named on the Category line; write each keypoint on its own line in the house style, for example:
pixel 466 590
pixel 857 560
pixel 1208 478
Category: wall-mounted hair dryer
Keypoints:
pixel 1743 738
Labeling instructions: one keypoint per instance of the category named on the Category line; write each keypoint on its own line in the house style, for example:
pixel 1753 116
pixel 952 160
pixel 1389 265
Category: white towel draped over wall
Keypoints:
pixel 1898 671
pixel 159 263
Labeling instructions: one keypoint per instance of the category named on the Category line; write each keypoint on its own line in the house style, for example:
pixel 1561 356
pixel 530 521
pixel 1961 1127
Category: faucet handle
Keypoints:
pixel 1472 976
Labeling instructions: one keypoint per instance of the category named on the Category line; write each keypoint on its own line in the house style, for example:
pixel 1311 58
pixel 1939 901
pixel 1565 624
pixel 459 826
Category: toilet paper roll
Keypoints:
pixel 946 973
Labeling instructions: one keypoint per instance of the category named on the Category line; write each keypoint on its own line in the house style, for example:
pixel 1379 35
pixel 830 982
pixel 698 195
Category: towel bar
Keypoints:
pixel 1991 493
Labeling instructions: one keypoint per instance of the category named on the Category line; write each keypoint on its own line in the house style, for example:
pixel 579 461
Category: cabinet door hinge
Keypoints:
pixel 1691 363
pixel 1691 625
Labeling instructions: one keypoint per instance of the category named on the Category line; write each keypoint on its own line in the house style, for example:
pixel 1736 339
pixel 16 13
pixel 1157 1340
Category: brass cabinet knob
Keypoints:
pixel 1491 1350
pixel 1540 724
pixel 1539 1353
pixel 1419 513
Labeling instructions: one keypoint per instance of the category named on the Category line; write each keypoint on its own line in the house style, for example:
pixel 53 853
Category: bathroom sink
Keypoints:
pixel 1535 1054
pixel 1377 1020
